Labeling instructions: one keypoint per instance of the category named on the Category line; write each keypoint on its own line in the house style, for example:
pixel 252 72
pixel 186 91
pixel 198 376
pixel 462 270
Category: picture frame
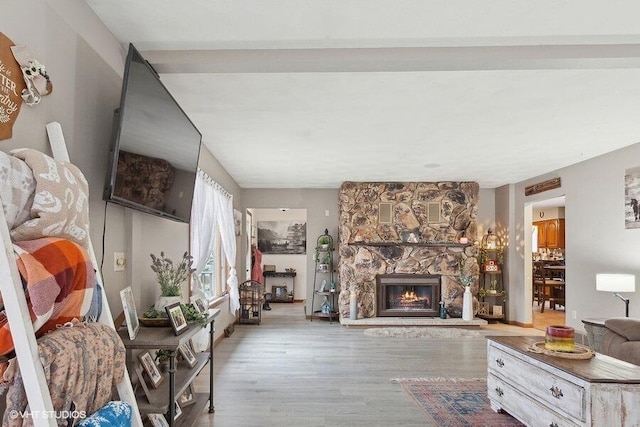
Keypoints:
pixel 187 397
pixel 199 304
pixel 176 318
pixel 158 420
pixel 130 314
pixel 150 368
pixel 178 411
pixel 188 355
pixel 237 222
pixel 497 310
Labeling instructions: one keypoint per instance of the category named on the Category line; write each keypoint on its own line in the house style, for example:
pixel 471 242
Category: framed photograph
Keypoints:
pixel 176 318
pixel 497 310
pixel 187 397
pixel 130 315
pixel 178 411
pixel 199 304
pixel 150 368
pixel 158 420
pixel 187 354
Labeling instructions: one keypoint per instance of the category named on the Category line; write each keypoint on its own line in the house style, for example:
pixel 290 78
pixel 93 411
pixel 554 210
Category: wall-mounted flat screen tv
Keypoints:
pixel 155 147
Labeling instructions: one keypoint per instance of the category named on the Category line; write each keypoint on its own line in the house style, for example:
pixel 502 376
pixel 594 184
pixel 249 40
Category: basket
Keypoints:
pixel 154 321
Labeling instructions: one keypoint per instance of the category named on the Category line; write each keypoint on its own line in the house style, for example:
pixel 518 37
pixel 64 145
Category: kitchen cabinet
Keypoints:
pixel 550 233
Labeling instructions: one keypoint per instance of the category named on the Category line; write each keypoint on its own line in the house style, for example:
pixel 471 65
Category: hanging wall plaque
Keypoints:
pixel 11 86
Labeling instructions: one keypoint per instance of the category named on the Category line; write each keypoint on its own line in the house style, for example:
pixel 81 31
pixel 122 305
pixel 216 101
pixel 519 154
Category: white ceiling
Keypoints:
pixel 311 93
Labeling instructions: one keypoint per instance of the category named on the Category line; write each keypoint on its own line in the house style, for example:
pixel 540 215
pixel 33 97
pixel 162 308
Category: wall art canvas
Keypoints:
pixel 282 237
pixel 632 198
pixel 237 221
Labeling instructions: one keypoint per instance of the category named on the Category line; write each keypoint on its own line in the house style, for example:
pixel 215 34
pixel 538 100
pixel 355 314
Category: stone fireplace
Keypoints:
pixel 408 228
pixel 403 295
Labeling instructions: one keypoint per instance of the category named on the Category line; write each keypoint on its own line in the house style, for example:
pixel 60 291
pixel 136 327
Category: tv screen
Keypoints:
pixel 155 147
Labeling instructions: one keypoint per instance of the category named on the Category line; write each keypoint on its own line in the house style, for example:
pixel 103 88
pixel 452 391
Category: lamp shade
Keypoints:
pixel 616 282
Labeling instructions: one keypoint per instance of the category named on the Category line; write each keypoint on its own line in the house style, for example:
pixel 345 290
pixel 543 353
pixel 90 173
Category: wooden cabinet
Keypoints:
pixel 164 398
pixel 550 233
pixel 543 390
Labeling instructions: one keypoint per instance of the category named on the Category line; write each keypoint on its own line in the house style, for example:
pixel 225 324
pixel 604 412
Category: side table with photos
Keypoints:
pixel 170 394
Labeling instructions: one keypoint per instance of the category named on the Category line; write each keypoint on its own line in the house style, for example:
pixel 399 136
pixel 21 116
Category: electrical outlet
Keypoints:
pixel 574 314
pixel 119 261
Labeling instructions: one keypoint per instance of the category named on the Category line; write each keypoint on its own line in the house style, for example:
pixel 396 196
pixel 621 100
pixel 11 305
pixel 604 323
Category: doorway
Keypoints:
pixel 547 257
pixel 273 224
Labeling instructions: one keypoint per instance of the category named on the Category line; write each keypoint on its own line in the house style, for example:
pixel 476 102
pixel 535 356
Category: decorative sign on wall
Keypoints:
pixel 11 86
pixel 542 186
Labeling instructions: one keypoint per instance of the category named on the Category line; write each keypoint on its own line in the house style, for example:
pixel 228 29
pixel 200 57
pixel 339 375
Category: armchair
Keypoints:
pixel 622 339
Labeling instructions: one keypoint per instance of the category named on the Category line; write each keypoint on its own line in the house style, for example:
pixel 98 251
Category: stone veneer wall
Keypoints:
pixel 368 248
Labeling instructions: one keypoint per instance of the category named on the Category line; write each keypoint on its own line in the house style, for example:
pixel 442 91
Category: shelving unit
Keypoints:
pixel 250 293
pixel 179 375
pixel 323 284
pixel 491 286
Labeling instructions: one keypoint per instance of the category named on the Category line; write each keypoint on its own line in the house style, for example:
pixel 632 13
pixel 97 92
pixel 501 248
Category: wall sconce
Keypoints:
pixel 617 283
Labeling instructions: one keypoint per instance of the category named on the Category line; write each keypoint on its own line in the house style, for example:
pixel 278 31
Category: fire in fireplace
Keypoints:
pixel 407 295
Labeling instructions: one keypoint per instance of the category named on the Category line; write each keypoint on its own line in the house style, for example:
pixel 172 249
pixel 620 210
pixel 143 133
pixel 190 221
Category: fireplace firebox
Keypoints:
pixel 402 295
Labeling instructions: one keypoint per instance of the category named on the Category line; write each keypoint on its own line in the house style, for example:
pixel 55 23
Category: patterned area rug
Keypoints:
pixel 421 332
pixel 451 402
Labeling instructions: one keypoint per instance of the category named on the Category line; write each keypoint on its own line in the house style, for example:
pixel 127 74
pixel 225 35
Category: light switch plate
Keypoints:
pixel 119 261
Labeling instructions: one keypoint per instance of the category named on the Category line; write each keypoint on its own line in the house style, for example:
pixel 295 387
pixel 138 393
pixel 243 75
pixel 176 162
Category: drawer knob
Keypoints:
pixel 556 392
pixel 500 362
pixel 499 391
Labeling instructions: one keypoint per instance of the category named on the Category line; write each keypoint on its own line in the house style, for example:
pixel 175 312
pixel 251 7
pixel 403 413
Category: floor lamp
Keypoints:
pixel 617 283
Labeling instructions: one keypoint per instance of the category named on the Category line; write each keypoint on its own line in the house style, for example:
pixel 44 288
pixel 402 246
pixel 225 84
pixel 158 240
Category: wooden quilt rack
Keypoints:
pixel 26 347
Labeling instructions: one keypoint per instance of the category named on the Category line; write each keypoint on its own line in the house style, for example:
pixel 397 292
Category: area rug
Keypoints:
pixel 454 402
pixel 421 332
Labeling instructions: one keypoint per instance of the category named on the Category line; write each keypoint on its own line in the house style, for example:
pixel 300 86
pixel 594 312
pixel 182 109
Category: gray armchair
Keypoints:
pixel 622 339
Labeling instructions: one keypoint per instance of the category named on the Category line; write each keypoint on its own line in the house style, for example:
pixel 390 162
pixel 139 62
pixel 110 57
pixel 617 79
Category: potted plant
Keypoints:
pixel 324 241
pixel 170 277
pixel 163 356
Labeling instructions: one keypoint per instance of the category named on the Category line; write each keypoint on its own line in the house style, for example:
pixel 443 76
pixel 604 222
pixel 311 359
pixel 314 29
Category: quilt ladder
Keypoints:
pixel 26 346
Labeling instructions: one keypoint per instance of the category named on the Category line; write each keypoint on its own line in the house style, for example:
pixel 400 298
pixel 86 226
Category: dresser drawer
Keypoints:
pixel 529 411
pixel 552 391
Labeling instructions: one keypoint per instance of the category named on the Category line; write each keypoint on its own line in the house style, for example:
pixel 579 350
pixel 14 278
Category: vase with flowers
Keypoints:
pixel 170 277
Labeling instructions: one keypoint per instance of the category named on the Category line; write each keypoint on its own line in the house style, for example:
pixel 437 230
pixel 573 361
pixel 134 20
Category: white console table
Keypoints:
pixel 542 390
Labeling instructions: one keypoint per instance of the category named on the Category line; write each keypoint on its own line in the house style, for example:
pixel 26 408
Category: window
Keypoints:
pixel 214 275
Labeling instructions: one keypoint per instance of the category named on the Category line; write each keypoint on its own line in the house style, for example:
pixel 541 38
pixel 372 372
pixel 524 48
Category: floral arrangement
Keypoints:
pixel 170 275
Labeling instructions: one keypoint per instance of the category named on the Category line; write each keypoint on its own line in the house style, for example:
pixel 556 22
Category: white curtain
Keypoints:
pixel 203 224
pixel 212 208
pixel 223 206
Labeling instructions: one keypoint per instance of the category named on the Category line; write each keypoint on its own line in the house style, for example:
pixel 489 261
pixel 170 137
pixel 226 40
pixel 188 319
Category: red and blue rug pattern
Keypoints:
pixel 456 402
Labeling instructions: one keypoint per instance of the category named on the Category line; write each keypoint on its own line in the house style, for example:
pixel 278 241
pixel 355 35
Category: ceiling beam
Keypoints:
pixel 405 59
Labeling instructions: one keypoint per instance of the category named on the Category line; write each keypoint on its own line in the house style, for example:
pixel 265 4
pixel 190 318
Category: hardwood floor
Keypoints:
pixel 289 371
pixel 549 317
